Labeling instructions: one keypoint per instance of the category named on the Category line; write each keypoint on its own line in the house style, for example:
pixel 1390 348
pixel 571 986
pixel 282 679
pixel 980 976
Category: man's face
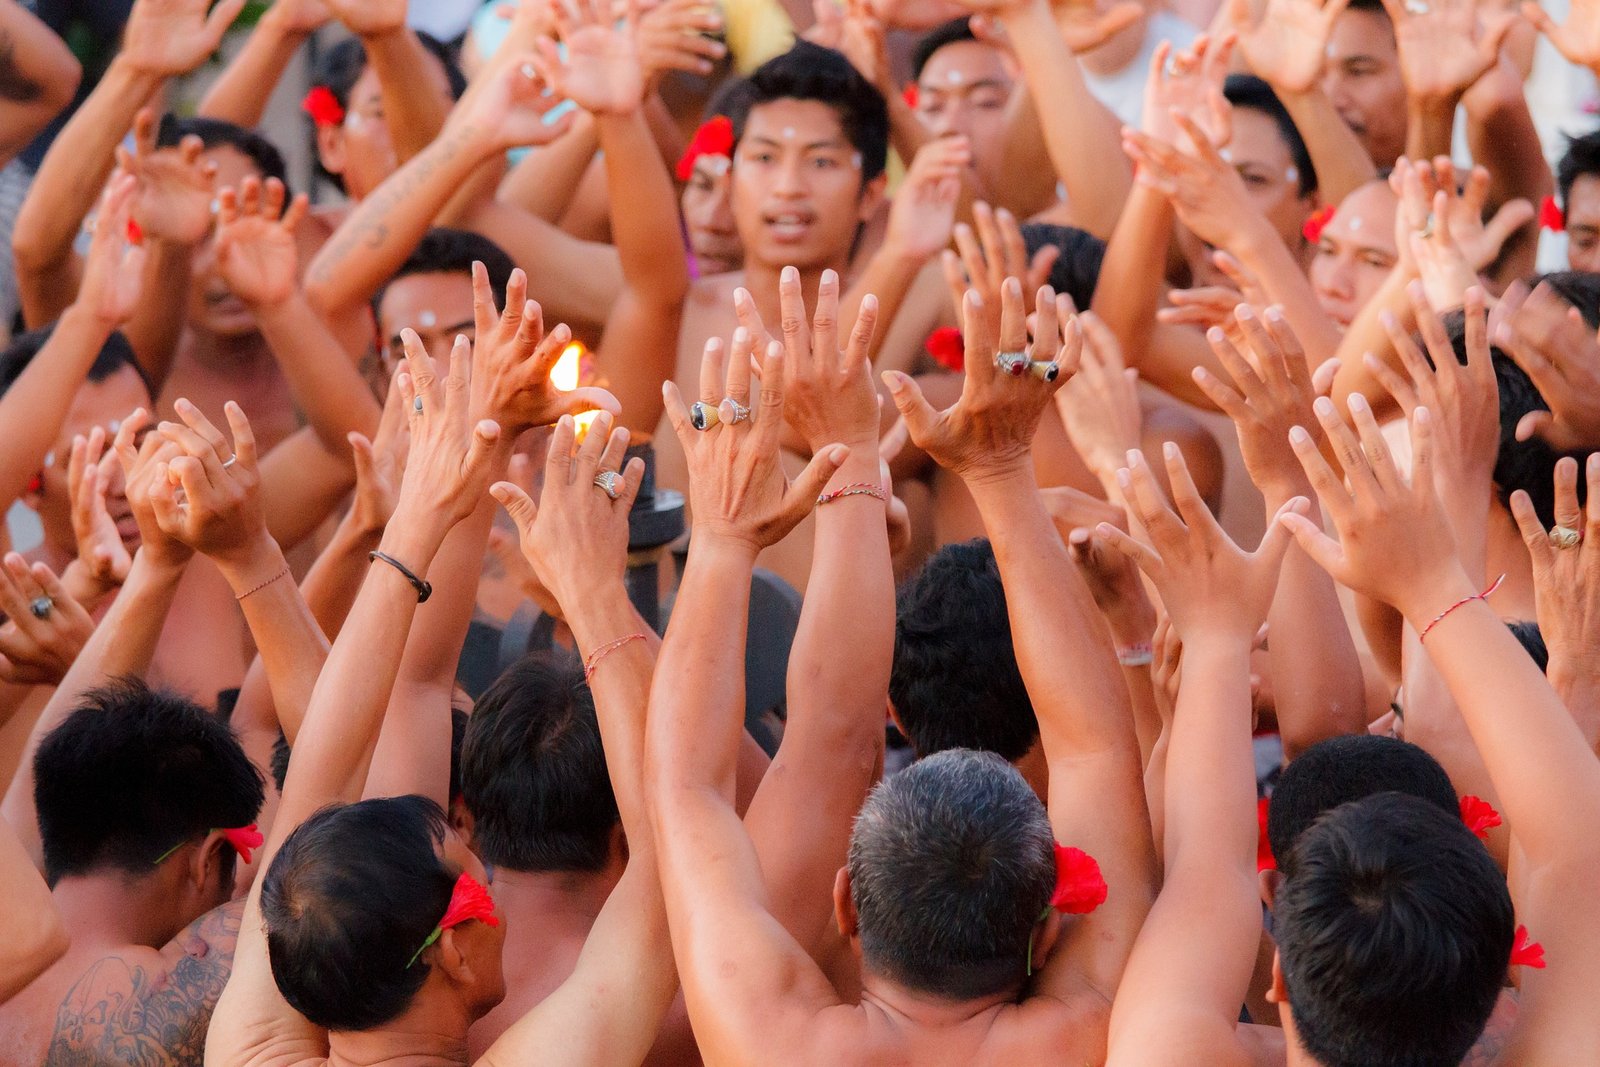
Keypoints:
pixel 1583 223
pixel 213 308
pixel 964 90
pixel 1362 78
pixel 104 404
pixel 437 306
pixel 708 216
pixel 798 196
pixel 1356 252
pixel 360 150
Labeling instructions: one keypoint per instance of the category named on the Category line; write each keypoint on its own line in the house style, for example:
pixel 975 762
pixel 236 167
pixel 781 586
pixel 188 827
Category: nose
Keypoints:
pixel 789 181
pixel 1336 279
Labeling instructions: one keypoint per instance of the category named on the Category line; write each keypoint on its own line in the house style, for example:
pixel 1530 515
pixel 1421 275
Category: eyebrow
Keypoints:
pixel 813 146
pixel 981 83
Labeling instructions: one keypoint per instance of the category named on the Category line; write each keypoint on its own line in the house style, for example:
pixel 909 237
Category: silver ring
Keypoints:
pixel 1427 228
pixel 230 461
pixel 703 416
pixel 416 406
pixel 608 482
pixel 1173 70
pixel 1016 364
pixel 40 607
pixel 1565 537
pixel 1417 7
pixel 740 412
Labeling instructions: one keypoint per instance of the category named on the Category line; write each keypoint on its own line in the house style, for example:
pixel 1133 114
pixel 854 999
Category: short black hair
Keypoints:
pixel 1581 157
pixel 458 728
pixel 214 133
pixel 1249 91
pixel 533 771
pixel 1531 638
pixel 115 354
pixel 1077 270
pixel 1394 933
pixel 446 251
pixel 811 72
pixel 953 32
pixel 1342 769
pixel 132 772
pixel 352 894
pixel 951 864
pixel 955 681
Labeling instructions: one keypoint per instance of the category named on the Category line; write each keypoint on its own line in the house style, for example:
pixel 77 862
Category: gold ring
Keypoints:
pixel 1565 537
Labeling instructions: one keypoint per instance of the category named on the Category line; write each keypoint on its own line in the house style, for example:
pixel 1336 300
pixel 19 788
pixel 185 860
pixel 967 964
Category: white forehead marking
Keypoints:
pixel 1355 223
pixel 717 165
pixel 1227 155
pixel 428 319
pixel 788 133
pixel 855 160
pixel 1292 174
pixel 953 77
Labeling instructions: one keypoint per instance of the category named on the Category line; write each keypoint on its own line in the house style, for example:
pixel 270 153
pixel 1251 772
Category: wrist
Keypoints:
pixel 126 74
pixel 1277 492
pixel 413 544
pixel 1000 476
pixel 715 543
pixel 1421 602
pixel 1132 623
pixel 95 326
pixel 83 585
pixel 248 564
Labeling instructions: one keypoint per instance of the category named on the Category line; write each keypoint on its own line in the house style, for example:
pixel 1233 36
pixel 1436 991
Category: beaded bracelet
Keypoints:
pixel 1437 619
pixel 281 574
pixel 1139 655
pixel 593 662
pixel 872 489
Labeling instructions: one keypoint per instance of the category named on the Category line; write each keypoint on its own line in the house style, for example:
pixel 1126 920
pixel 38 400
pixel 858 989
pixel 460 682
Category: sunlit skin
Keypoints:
pixel 1356 253
pixel 1362 79
pixel 360 150
pixel 1583 223
pixel 964 90
pixel 212 308
pixel 438 306
pixel 485 944
pixel 708 216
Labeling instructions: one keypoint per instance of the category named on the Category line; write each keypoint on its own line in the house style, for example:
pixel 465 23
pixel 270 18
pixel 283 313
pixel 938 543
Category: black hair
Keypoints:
pixel 340 67
pixel 953 32
pixel 349 898
pixel 1394 933
pixel 133 772
pixel 811 72
pixel 1249 91
pixel 1581 157
pixel 1077 270
pixel 115 354
pixel 1342 769
pixel 281 752
pixel 1531 638
pixel 951 863
pixel 445 251
pixel 214 133
pixel 533 771
pixel 955 682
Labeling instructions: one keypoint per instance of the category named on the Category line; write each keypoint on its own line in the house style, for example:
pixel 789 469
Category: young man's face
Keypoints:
pixel 437 306
pixel 1583 223
pixel 798 195
pixel 964 90
pixel 213 308
pixel 360 150
pixel 1356 253
pixel 105 404
pixel 708 216
pixel 1362 78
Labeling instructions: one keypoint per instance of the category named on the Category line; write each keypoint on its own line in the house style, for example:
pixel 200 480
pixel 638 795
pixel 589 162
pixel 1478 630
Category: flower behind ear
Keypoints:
pixel 1479 816
pixel 1551 217
pixel 1526 953
pixel 1312 230
pixel 1079 886
pixel 244 840
pixel 946 347
pixel 323 106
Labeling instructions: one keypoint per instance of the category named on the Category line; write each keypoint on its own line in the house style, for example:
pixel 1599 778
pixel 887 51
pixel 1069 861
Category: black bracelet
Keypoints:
pixel 424 590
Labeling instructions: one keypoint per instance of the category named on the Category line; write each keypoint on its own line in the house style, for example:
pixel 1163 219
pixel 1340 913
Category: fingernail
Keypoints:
pixel 790 274
pixel 1170 450
pixel 838 454
pixel 1124 479
pixel 1358 402
pixel 1322 406
pixel 1298 435
pixel 1244 311
pixel 741 336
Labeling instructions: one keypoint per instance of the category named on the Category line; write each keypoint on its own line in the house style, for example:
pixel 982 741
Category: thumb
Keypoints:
pixel 361 453
pixel 485 435
pixel 518 505
pixel 1322 378
pixel 1323 550
pixel 803 493
pixel 915 411
pixel 1275 542
pixel 1511 217
pixel 1540 424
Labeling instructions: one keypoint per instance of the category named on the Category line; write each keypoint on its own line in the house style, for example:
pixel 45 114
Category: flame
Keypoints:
pixel 566 376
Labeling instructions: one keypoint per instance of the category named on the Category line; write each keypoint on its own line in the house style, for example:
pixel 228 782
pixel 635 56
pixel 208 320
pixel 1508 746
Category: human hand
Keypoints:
pixel 380 464
pixel 113 272
pixel 923 212
pixel 218 513
pixel 1446 45
pixel 990 255
pixel 167 37
pixel 448 464
pixel 1424 230
pixel 1285 42
pixel 144 465
pixel 576 538
pixel 506 109
pixel 1566 578
pixel 1086 25
pixel 1189 82
pixel 1206 191
pixel 987 435
pixel 514 357
pixel 255 248
pixel 1578 39
pixel 1166 666
pixel 738 491
pixel 1208 584
pixel 672 36
pixel 1114 582
pixel 1072 509
pixel 370 18
pixel 1479 241
pixel 38 648
pixel 175 185
pixel 1100 406
pixel 828 393
pixel 601 71
pixel 1548 339
pixel 297 17
pixel 102 553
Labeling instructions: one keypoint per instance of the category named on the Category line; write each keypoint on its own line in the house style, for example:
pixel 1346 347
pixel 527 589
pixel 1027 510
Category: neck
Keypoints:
pixel 762 281
pixel 551 897
pixel 115 909
pixel 923 1011
pixel 210 348
pixel 428 1034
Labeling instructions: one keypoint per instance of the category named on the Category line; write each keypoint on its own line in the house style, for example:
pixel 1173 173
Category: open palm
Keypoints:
pixel 1287 44
pixel 602 73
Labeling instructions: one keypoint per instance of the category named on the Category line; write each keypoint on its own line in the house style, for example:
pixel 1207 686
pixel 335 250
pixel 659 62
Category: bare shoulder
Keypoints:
pixel 146 1007
pixel 1071 1030
pixel 713 292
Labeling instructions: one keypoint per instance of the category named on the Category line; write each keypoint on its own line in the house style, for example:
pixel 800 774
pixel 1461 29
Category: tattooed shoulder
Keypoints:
pixel 149 1011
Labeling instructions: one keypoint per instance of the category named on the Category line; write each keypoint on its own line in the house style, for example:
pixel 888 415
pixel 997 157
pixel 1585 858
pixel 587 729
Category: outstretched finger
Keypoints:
pixel 518 504
pixel 1141 555
pixel 560 454
pixel 594 443
pixel 1324 551
pixel 802 495
pixel 1568 512
pixel 1330 490
pixel 244 438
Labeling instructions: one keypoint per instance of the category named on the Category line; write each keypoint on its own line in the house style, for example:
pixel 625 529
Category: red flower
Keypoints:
pixel 1265 860
pixel 1312 230
pixel 1079 887
pixel 911 96
pixel 136 237
pixel 468 900
pixel 1525 953
pixel 1551 217
pixel 713 138
pixel 945 346
pixel 323 107
pixel 1479 816
pixel 244 839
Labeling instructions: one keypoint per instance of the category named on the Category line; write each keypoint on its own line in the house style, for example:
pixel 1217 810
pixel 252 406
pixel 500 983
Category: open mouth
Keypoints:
pixel 789 225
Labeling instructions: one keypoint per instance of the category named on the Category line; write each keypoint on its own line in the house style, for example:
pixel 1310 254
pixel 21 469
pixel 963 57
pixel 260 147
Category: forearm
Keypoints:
pixel 1263 253
pixel 158 321
pixel 33 410
pixel 1316 676
pixel 326 383
pixel 889 276
pixel 621 687
pixel 301 484
pixel 1133 272
pixel 1366 334
pixel 1337 154
pixel 32 936
pixel 544 182
pixel 1430 126
pixel 907 134
pixel 240 93
pixel 644 214
pixel 416 96
pixel 331 586
pixel 1210 774
pixel 42 77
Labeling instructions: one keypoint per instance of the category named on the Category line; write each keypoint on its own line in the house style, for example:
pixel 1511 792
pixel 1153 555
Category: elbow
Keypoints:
pixel 32 949
pixel 62 81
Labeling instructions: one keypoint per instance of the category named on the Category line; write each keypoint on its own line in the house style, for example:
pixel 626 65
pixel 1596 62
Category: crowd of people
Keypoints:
pixel 894 532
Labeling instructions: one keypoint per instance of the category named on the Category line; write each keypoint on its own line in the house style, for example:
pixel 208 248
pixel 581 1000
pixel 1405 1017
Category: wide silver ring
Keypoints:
pixel 230 461
pixel 1417 7
pixel 1565 537
pixel 40 607
pixel 1016 364
pixel 608 482
pixel 740 412
pixel 703 416
pixel 1427 228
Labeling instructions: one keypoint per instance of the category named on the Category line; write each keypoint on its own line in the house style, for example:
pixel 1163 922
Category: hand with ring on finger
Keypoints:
pixel 219 511
pixel 45 628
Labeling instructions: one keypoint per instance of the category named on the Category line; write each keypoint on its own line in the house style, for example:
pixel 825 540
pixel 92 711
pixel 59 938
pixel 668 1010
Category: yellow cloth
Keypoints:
pixel 756 31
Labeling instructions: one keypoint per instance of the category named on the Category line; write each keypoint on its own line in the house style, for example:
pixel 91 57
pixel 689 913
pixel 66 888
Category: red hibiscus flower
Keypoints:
pixel 1526 953
pixel 1551 217
pixel 1479 816
pixel 323 107
pixel 945 346
pixel 244 839
pixel 713 138
pixel 1312 230
pixel 1079 887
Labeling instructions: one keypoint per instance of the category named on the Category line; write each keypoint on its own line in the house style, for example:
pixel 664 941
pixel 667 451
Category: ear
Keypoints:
pixel 1277 992
pixel 462 822
pixel 330 149
pixel 204 869
pixel 451 958
pixel 872 197
pixel 894 717
pixel 1045 934
pixel 1269 881
pixel 844 907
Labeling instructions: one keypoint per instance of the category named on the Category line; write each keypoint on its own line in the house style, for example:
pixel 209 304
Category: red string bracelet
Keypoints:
pixel 872 489
pixel 1437 619
pixel 593 662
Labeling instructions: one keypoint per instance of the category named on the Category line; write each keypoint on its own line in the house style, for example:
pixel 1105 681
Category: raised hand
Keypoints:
pixel 828 392
pixel 113 274
pixel 1206 192
pixel 1286 40
pixel 175 185
pixel 144 466
pixel 1566 577
pixel 987 435
pixel 738 491
pixel 1548 339
pixel 369 18
pixel 1189 82
pixel 448 464
pixel 102 553
pixel 1208 584
pixel 672 37
pixel 1113 579
pixel 167 37
pixel 1100 406
pixel 924 210
pixel 255 248
pixel 577 536
pixel 1446 45
pixel 1578 39
pixel 1479 241
pixel 45 627
pixel 380 464
pixel 601 71
pixel 514 357
pixel 1424 232
pixel 299 16
pixel 1212 305
pixel 507 108
pixel 1086 25
pixel 219 512
pixel 988 255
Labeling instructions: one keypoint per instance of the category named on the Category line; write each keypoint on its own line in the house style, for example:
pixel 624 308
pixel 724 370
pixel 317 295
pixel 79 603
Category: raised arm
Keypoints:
pixel 1063 649
pixel 38 77
pixel 416 93
pixel 241 91
pixel 1443 49
pixel 34 937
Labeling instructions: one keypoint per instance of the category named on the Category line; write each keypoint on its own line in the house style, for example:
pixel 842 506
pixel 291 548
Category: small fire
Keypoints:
pixel 566 376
